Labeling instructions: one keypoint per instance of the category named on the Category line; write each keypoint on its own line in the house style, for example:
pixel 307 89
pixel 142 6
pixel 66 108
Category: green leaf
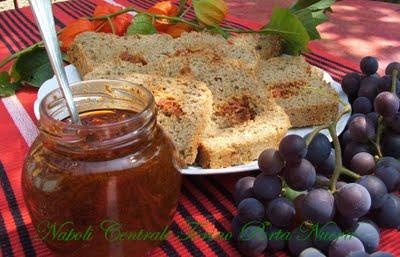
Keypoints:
pixel 312 5
pixel 32 67
pixel 141 24
pixel 305 16
pixel 284 20
pixel 7 88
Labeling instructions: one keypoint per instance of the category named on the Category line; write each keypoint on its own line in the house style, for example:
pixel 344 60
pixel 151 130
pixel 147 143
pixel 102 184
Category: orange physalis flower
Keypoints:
pixel 163 8
pixel 73 29
pixel 210 12
pixel 176 30
pixel 120 22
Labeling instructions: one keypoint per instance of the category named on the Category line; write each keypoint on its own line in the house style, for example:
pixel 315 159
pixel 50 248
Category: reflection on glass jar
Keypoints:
pixel 107 187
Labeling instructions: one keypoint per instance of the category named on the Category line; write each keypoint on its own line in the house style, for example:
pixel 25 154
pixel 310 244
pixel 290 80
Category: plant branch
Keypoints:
pixel 379 136
pixel 265 30
pixel 349 173
pixel 338 157
pixel 311 136
pixel 394 80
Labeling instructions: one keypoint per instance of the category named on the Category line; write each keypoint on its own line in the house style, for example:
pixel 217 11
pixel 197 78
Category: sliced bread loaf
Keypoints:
pixel 92 49
pixel 184 106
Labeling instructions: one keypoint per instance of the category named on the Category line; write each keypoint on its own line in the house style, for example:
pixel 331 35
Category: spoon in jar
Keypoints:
pixel 43 13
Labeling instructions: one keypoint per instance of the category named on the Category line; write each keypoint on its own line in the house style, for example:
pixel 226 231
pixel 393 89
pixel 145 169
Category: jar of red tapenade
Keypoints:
pixel 106 187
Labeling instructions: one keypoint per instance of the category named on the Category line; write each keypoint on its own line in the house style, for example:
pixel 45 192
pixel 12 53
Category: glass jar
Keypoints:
pixel 107 189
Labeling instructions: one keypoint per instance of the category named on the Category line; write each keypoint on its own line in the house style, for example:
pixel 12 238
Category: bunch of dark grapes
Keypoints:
pixel 313 203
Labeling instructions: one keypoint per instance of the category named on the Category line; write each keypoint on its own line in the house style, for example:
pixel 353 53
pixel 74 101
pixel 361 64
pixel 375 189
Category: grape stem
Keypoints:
pixel 314 133
pixel 339 168
pixel 349 173
pixel 394 80
pixel 338 158
pixel 377 144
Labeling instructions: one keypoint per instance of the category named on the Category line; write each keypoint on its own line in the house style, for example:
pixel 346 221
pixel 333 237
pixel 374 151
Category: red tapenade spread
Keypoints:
pixel 107 187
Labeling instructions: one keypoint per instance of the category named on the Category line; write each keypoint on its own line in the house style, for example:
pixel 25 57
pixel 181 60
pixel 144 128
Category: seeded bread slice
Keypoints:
pixel 184 106
pixel 299 89
pixel 91 49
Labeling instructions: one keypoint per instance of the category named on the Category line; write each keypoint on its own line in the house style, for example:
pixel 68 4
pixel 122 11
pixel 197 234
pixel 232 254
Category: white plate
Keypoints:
pixel 73 76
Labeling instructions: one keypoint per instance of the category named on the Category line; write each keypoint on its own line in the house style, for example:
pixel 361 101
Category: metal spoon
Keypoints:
pixel 44 17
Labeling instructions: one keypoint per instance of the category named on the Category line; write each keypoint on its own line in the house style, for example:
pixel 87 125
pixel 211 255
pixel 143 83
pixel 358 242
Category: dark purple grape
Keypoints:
pixel 300 240
pixel 281 212
pixel 368 233
pixel 236 227
pixel 318 149
pixel 394 123
pixel 391 145
pixel 267 187
pixel 311 252
pixel 270 162
pixel 387 104
pixel 390 177
pixel 250 209
pixel 358 254
pixel 361 130
pixel 321 181
pixel 382 254
pixel 388 216
pixel 252 241
pixel 369 88
pixel 391 67
pixel 293 148
pixel 362 105
pixel 363 163
pixel 388 161
pixel 345 138
pixel 373 118
pixel 352 149
pixel 326 234
pixel 385 84
pixel 344 245
pixel 244 189
pixel 351 83
pixel 328 165
pixel 318 206
pixel 277 238
pixel 345 223
pixel 353 200
pixel 353 116
pixel 300 176
pixel 376 188
pixel 369 65
pixel 340 184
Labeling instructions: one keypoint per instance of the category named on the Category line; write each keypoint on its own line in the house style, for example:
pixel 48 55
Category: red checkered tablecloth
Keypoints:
pixel 207 200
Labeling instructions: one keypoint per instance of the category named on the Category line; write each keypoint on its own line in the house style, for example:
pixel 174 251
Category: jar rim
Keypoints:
pixel 131 118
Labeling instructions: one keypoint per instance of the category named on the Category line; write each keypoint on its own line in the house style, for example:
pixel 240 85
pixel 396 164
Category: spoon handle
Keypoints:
pixel 43 12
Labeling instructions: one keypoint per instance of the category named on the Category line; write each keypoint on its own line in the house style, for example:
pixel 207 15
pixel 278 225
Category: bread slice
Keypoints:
pixel 184 106
pixel 299 89
pixel 244 142
pixel 91 49
pixel 266 46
